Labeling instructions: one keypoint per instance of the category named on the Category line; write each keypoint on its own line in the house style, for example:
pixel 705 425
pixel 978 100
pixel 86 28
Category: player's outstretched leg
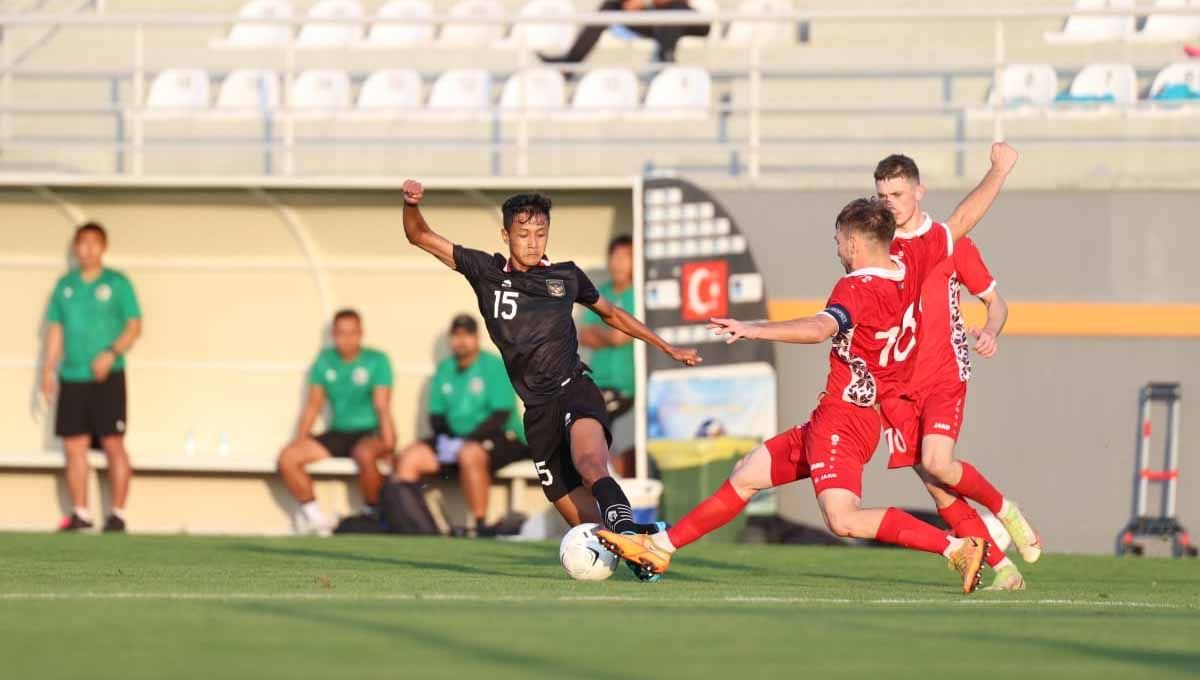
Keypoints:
pixel 653 552
pixel 965 522
pixel 961 478
pixel 845 517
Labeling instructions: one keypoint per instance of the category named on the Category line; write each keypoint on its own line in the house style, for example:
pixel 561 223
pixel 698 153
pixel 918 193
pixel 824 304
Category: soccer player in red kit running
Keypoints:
pixel 871 317
pixel 922 427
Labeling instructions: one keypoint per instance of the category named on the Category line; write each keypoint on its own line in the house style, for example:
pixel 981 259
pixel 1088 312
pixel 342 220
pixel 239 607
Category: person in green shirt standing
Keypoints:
pixel 612 351
pixel 473 415
pixel 356 382
pixel 93 319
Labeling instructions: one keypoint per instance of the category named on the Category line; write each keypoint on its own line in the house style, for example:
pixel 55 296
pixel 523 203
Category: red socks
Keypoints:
pixel 964 522
pixel 711 514
pixel 900 528
pixel 974 486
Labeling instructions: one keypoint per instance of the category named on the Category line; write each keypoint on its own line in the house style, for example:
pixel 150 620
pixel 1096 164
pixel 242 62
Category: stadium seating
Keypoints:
pixel 679 92
pixel 537 91
pixel 552 38
pixel 390 91
pixel 1025 85
pixel 1169 28
pixel 1115 83
pixel 250 34
pixel 1088 29
pixel 461 93
pixel 321 91
pixel 715 29
pixel 605 92
pixel 473 35
pixel 743 33
pixel 389 29
pixel 179 91
pixel 249 91
pixel 332 34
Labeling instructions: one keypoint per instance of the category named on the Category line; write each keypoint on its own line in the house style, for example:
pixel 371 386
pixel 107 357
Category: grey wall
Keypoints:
pixel 1052 421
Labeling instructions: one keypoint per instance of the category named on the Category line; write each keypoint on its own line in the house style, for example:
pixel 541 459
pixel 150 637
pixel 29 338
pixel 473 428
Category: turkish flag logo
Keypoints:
pixel 705 290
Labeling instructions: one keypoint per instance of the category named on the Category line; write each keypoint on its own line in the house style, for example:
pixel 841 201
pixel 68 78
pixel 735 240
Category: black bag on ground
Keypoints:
pixel 404 511
pixel 360 524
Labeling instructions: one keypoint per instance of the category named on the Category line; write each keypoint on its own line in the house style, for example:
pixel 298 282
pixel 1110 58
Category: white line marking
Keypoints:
pixel 458 597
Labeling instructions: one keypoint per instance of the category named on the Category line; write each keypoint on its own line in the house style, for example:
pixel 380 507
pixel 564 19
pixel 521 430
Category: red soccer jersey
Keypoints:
pixel 925 252
pixel 866 362
pixel 943 347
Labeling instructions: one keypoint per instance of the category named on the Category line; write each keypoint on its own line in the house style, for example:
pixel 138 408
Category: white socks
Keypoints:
pixel 1002 563
pixel 663 542
pixel 119 513
pixel 82 513
pixel 313 513
pixel 955 544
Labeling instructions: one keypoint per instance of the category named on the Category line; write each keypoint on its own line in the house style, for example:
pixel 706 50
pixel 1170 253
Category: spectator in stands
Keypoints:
pixel 93 320
pixel 473 415
pixel 612 351
pixel 357 383
pixel 666 36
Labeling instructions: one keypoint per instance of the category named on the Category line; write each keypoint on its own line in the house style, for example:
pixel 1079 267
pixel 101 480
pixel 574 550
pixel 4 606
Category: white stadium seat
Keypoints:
pixel 390 90
pixel 553 38
pixel 607 91
pixel 247 33
pixel 325 34
pixel 466 91
pixel 179 89
pixel 1086 29
pixel 1101 80
pixel 249 91
pixel 743 33
pixel 1025 85
pixel 1171 27
pixel 390 29
pixel 321 90
pixel 537 90
pixel 1179 73
pixel 473 35
pixel 679 91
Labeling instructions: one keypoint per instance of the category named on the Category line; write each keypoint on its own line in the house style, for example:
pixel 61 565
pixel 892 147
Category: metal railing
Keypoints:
pixel 280 139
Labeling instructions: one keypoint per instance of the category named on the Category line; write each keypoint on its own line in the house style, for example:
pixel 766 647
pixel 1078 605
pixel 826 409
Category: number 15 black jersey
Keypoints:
pixel 529 317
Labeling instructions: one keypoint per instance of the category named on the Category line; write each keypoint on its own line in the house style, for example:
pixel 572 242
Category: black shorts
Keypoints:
pixel 341 443
pixel 502 452
pixel 548 429
pixel 92 408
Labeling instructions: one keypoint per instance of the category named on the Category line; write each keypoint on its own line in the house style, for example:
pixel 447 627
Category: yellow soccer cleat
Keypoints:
pixel 1008 578
pixel 636 548
pixel 968 562
pixel 1028 543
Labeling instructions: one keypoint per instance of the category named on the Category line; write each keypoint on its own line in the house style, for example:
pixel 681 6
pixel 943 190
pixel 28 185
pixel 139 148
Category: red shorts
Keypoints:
pixel 831 448
pixel 906 421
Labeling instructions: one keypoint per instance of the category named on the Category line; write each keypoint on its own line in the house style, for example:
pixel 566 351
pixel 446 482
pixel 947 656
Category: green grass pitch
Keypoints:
pixel 132 607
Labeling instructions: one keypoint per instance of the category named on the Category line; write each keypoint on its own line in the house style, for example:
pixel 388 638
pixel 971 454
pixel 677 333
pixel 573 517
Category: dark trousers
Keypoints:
pixel 665 36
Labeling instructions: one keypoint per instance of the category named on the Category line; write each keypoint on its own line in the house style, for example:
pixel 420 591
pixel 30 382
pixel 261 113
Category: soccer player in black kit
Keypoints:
pixel 527 303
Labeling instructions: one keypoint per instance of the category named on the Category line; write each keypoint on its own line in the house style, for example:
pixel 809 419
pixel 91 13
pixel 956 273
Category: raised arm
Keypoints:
pixel 972 208
pixel 417 230
pixel 808 330
pixel 629 325
pixel 997 316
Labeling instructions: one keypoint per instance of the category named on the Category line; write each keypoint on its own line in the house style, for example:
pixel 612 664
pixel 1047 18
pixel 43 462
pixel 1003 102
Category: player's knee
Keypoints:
pixel 938 467
pixel 365 455
pixel 839 524
pixel 592 469
pixel 472 455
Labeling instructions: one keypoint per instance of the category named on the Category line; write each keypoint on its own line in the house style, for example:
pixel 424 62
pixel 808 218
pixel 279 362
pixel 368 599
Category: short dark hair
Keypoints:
pixel 464 322
pixel 868 217
pixel 525 207
pixel 94 227
pixel 347 313
pixel 622 241
pixel 897 165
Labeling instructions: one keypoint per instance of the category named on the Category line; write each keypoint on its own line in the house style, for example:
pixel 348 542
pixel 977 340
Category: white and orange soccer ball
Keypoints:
pixel 582 556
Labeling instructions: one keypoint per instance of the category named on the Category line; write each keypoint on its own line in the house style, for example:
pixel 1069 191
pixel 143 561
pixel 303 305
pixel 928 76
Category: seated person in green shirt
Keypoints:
pixel 473 414
pixel 357 383
pixel 93 319
pixel 612 351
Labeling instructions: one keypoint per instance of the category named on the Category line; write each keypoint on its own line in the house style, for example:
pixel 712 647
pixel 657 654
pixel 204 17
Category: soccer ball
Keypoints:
pixel 583 557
